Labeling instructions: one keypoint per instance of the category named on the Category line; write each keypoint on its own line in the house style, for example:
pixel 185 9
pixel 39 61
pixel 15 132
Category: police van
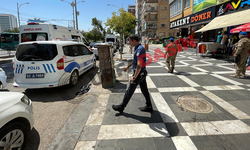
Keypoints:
pixel 42 31
pixel 44 64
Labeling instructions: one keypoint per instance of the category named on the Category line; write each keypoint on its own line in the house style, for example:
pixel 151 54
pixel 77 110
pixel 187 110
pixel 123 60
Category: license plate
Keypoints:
pixel 35 75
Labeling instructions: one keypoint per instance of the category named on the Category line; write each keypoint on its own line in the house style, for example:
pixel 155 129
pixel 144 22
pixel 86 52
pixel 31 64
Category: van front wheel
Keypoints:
pixel 73 78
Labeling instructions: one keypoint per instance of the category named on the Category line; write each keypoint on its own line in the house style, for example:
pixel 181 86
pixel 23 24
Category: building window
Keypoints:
pixel 163 16
pixel 163 7
pixel 187 3
pixel 161 34
pixel 163 25
pixel 176 8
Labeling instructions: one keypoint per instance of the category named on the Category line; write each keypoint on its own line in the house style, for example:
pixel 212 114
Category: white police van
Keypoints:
pixel 43 64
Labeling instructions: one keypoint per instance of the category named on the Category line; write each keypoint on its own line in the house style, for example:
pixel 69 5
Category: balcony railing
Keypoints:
pixel 151 19
pixel 151 1
pixel 151 9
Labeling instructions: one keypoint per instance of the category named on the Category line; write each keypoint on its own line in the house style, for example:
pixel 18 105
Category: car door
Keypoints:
pixel 88 57
pixel 73 58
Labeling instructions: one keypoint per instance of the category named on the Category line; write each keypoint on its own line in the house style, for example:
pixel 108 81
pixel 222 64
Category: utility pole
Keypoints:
pixel 76 16
pixel 72 4
pixel 18 12
pixel 18 16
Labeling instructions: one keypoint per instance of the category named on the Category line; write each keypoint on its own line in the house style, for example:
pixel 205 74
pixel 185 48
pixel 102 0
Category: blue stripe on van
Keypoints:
pixel 52 67
pixel 19 68
pixel 71 66
pixel 45 68
pixel 22 69
pixel 48 68
pixel 16 68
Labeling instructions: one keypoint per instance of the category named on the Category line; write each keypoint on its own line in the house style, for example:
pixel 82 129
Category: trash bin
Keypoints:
pixel 106 64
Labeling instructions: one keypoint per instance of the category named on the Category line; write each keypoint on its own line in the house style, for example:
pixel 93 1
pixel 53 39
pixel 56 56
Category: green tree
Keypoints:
pixel 98 24
pixel 97 34
pixel 121 22
pixel 14 30
pixel 89 36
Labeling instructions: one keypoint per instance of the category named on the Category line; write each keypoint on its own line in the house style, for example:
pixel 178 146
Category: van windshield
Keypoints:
pixel 110 39
pixel 36 52
pixel 26 37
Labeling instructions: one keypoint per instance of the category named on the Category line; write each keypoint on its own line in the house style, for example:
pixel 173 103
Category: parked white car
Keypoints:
pixel 44 64
pixel 3 79
pixel 16 119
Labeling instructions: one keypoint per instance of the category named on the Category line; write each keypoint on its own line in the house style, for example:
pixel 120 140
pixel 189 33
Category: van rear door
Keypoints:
pixel 36 63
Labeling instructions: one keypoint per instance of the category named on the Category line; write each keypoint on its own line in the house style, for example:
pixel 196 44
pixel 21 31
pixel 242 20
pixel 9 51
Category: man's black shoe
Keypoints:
pixel 146 109
pixel 118 108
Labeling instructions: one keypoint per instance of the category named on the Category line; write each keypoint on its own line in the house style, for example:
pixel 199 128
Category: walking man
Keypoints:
pixel 138 78
pixel 242 53
pixel 171 52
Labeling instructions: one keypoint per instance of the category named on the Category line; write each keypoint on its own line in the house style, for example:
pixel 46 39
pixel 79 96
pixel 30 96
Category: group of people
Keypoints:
pixel 241 49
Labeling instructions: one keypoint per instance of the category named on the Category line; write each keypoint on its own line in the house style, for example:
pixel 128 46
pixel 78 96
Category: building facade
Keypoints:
pixel 149 19
pixel 8 21
pixel 131 9
pixel 163 19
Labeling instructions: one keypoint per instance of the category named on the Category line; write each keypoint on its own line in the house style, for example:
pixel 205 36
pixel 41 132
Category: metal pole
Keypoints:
pixel 73 5
pixel 76 16
pixel 18 16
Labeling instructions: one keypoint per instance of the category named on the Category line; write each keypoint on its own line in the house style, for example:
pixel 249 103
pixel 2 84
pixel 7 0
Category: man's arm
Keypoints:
pixel 137 70
pixel 126 68
pixel 239 49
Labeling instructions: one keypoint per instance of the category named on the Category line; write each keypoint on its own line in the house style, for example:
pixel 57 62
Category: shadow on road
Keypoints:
pixel 174 131
pixel 61 93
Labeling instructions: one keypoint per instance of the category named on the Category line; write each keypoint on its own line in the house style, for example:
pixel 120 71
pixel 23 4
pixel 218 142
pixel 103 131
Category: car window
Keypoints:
pixel 71 50
pixel 25 37
pixel 86 51
pixel 80 50
pixel 36 52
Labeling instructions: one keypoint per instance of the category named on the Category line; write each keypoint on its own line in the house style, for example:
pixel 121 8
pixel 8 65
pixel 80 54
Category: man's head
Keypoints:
pixel 134 40
pixel 171 39
pixel 219 32
pixel 242 35
pixel 225 32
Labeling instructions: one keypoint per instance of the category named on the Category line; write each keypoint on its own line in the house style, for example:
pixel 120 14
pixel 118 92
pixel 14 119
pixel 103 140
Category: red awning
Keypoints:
pixel 243 28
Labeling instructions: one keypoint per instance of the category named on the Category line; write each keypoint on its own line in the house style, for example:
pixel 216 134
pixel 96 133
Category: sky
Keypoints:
pixel 62 12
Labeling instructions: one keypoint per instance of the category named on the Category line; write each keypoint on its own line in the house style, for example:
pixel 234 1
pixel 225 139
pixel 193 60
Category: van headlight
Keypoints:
pixel 25 100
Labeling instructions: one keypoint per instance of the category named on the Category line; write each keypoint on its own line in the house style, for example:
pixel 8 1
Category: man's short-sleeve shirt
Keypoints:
pixel 139 54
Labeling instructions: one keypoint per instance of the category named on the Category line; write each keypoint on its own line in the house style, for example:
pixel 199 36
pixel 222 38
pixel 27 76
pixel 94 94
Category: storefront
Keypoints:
pixel 229 15
pixel 189 24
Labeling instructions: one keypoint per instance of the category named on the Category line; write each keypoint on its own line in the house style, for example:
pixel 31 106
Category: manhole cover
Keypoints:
pixel 194 104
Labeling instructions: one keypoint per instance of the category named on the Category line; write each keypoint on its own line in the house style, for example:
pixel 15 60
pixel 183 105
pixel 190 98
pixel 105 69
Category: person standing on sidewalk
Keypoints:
pixel 171 52
pixel 138 78
pixel 241 52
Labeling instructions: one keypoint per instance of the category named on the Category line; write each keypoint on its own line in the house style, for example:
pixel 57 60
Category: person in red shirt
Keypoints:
pixel 171 52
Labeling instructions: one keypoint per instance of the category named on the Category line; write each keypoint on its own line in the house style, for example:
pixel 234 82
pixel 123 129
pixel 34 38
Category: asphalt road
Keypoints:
pixel 51 106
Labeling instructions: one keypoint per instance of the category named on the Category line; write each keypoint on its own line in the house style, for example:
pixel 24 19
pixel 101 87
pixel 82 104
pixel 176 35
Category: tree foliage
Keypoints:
pixel 98 24
pixel 89 36
pixel 14 30
pixel 121 22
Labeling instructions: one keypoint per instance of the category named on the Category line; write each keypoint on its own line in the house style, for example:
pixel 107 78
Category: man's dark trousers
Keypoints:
pixel 131 89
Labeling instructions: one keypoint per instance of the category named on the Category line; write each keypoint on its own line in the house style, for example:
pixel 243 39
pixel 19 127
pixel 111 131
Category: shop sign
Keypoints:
pixel 180 22
pixel 201 16
pixel 232 6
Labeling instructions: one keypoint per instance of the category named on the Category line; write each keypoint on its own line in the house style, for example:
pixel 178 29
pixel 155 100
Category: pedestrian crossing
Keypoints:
pixel 169 126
